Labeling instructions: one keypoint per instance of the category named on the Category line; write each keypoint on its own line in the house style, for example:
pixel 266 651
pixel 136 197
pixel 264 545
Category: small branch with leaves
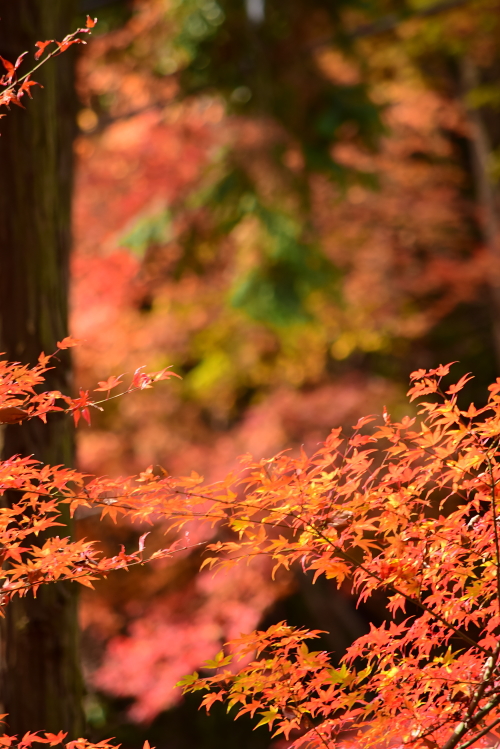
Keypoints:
pixel 13 87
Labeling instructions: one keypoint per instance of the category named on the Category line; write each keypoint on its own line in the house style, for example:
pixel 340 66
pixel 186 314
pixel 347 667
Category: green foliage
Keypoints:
pixel 148 231
pixel 262 59
pixel 276 290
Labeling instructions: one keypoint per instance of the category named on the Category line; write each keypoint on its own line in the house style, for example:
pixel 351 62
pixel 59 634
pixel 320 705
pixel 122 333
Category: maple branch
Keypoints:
pixel 425 734
pixel 490 665
pixel 467 725
pixel 480 735
pixel 347 557
pixel 321 737
pixel 343 554
pixel 495 527
pixel 68 41
pixel 87 574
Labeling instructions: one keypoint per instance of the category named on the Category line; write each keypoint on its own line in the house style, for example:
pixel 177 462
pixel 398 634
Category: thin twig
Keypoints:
pixel 465 726
pixel 479 735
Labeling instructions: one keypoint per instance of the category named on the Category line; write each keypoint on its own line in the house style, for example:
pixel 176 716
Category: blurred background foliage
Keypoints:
pixel 294 202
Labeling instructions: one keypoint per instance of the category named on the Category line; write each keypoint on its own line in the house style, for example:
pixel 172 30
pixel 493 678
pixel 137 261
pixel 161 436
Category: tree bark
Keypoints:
pixel 41 683
pixel 486 195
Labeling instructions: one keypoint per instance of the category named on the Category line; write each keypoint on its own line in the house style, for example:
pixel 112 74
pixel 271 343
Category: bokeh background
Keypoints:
pixel 294 203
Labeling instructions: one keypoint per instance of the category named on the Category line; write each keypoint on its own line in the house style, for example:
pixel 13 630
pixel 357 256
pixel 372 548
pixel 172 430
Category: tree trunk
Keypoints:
pixel 41 684
pixel 486 194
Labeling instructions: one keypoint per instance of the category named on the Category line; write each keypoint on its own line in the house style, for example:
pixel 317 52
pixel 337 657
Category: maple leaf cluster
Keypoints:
pixel 31 554
pixel 408 508
pixel 412 511
pixel 14 87
pixel 54 739
pixel 38 491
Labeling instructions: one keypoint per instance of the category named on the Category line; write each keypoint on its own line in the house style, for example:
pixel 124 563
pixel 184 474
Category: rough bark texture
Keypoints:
pixel 41 683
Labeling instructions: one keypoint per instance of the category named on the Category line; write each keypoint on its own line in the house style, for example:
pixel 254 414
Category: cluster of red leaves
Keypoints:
pixel 410 510
pixel 41 490
pixel 37 493
pixel 13 88
pixel 54 739
pixel 19 401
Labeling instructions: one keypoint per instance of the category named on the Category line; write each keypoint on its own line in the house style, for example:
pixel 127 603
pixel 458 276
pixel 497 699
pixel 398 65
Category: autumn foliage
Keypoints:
pixel 13 87
pixel 40 490
pixel 406 510
pixel 31 551
pixel 409 509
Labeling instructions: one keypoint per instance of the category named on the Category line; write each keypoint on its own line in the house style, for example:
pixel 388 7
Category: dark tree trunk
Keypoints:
pixel 41 684
pixel 486 193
